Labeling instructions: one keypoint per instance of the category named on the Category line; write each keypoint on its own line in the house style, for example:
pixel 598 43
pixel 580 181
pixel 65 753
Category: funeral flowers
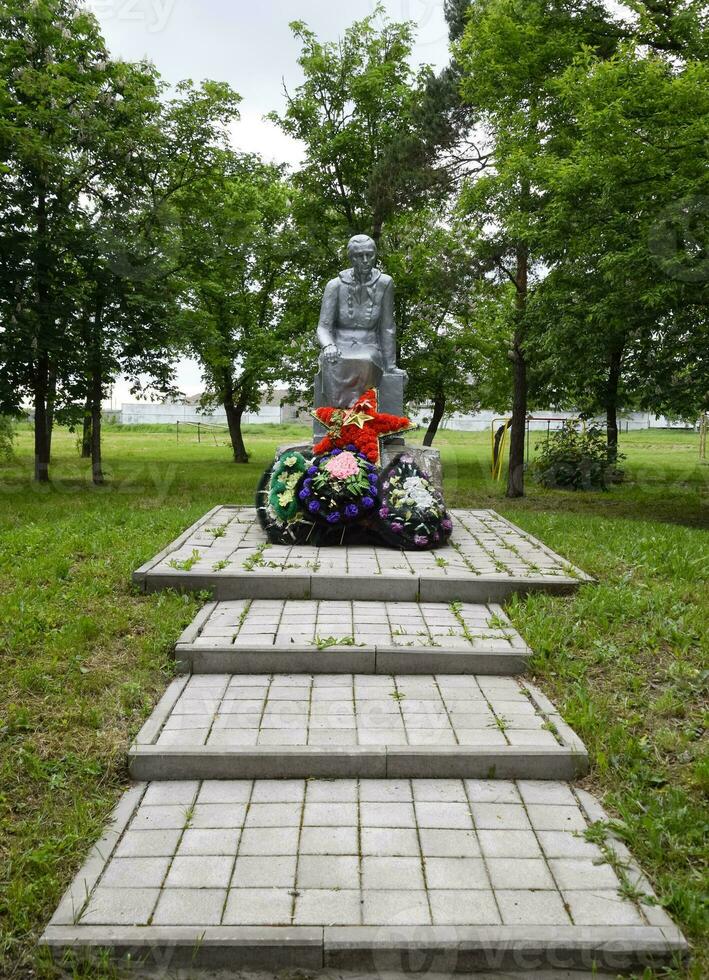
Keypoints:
pixel 412 513
pixel 339 487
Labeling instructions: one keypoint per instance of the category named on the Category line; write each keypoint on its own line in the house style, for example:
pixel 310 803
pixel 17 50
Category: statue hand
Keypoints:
pixel 331 353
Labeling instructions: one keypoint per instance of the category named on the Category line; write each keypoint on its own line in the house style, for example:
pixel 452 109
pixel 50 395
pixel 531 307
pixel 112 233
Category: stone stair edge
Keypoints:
pixel 461 948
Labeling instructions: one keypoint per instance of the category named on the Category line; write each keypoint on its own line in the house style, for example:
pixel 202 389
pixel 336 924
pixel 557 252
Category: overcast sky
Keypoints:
pixel 249 45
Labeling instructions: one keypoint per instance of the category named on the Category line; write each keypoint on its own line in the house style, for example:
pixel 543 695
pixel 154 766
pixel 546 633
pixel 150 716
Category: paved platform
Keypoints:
pixel 244 636
pixel 281 725
pixel 348 777
pixel 360 873
pixel 487 560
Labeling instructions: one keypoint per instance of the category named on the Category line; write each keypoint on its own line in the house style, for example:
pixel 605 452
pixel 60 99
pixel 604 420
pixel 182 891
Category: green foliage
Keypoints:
pixel 355 100
pixel 7 437
pixel 240 276
pixel 574 459
pixel 91 154
pixel 603 122
pixel 439 285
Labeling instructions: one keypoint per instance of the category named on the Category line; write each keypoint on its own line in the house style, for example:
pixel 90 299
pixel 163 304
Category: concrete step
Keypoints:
pixel 487 560
pixel 298 725
pixel 448 876
pixel 260 636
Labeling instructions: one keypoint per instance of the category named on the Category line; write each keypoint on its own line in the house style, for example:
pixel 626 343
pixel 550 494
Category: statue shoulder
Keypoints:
pixel 385 280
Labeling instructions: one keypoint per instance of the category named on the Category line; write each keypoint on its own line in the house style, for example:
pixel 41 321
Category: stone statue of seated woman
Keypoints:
pixel 357 334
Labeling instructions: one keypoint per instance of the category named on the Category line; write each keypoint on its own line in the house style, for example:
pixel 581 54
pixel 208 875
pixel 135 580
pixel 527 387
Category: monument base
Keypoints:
pixel 427 459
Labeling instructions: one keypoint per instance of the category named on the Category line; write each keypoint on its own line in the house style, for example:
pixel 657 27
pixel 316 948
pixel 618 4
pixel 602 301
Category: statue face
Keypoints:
pixel 363 258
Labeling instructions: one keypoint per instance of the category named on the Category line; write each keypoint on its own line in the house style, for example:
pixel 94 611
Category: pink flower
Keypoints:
pixel 341 466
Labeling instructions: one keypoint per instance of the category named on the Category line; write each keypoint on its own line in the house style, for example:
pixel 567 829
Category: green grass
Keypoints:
pixel 84 657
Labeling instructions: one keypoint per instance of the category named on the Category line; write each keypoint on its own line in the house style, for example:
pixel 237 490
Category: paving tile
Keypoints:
pixel 443 815
pixel 321 906
pixel 200 871
pixel 577 873
pixel 600 907
pixel 148 843
pixel 120 906
pixel 448 843
pixel 189 906
pixel 509 843
pixel 160 818
pixel 546 793
pixel 538 908
pixel 224 791
pixel 209 842
pixel 519 873
pixel 269 840
pixel 392 873
pixel 395 907
pixel 329 840
pixel 385 790
pixel 174 792
pixel 330 871
pixel 264 871
pixel 273 815
pixel 217 815
pixel 565 844
pixel 329 814
pixel 136 872
pixel 332 791
pixel 258 906
pixel 390 841
pixel 556 817
pixel 491 791
pixel 463 908
pixel 499 816
pixel 456 873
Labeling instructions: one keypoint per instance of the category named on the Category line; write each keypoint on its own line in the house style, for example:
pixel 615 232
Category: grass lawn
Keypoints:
pixel 84 657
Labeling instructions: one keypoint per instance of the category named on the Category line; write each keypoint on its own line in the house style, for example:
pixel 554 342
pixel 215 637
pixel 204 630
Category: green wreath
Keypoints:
pixel 282 496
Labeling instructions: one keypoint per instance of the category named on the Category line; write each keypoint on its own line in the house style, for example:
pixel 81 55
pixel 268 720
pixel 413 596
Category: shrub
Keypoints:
pixel 7 437
pixel 573 460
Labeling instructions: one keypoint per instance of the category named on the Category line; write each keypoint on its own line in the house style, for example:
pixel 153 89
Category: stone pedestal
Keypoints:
pixel 427 459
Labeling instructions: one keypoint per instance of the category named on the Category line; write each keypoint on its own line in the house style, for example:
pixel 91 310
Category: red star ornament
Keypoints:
pixel 361 426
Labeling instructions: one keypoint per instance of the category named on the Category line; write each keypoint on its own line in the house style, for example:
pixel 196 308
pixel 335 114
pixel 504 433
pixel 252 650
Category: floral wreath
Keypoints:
pixel 340 487
pixel 412 512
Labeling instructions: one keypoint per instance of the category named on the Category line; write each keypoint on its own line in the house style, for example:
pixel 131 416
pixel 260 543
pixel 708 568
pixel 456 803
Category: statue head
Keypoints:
pixel 362 252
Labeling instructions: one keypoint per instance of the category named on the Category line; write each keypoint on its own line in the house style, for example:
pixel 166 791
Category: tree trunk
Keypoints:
pixel 41 373
pixel 234 414
pixel 41 441
pixel 51 399
pixel 612 403
pixel 96 394
pixel 439 405
pixel 86 431
pixel 515 479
